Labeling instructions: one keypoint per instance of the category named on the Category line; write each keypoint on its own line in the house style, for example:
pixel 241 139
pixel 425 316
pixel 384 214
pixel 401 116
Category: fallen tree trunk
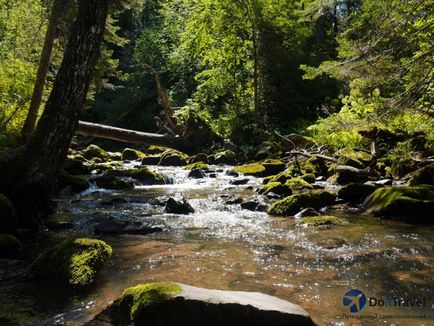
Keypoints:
pixel 129 136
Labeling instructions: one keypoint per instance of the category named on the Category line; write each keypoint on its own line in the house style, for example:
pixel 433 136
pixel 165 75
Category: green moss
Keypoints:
pixel 9 245
pixel 414 202
pixel 309 177
pixel 197 165
pixel 356 158
pixel 281 177
pixel 93 151
pixel 298 183
pixel 225 157
pixel 156 149
pixel 254 169
pixel 132 154
pixel 72 263
pixel 8 215
pixel 275 187
pixel 137 302
pixel 424 175
pixel 324 220
pixel 293 204
pixel 201 157
pixel 144 175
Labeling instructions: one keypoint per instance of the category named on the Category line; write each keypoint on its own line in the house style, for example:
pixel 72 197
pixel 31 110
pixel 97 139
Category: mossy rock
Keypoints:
pixel 9 245
pixel 136 305
pixel 151 160
pixel 197 165
pixel 77 184
pixel 298 183
pixel 173 158
pixel 254 169
pixel 423 175
pixel 277 188
pixel 72 263
pixel 225 157
pixel 201 157
pixel 281 177
pixel 356 192
pixel 325 220
pixel 130 154
pixel 355 158
pixel 308 177
pixel 112 183
pixel 144 175
pixel 156 150
pixel 274 166
pixel 315 166
pixel 413 203
pixel 291 205
pixel 8 215
pixel 74 166
pixel 93 151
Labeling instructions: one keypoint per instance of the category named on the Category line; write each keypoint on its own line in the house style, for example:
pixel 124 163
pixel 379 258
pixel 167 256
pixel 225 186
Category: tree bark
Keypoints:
pixel 128 136
pixel 41 75
pixel 48 147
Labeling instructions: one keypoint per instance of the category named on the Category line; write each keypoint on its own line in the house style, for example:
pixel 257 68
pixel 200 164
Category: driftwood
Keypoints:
pixel 129 136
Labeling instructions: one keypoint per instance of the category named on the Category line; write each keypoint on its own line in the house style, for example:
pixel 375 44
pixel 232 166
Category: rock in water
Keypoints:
pixel 72 263
pixel 179 304
pixel 124 227
pixel 178 207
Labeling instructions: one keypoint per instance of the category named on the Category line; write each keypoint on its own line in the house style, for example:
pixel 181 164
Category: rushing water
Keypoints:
pixel 222 246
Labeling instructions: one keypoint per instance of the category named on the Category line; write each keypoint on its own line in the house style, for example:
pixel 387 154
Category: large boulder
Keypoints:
pixel 112 183
pixel 423 175
pixel 151 160
pixel 254 169
pixel 276 188
pixel 172 304
pixel 93 151
pixel 75 183
pixel 356 192
pixel 324 220
pixel 9 245
pixel 355 158
pixel 8 215
pixel 130 154
pixel 178 207
pixel 72 263
pixel 224 157
pixel 298 183
pixel 412 203
pixel 273 166
pixel 173 158
pixel 291 205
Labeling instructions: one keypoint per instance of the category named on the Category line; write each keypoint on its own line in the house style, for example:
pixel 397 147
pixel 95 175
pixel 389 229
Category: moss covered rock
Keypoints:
pixel 315 166
pixel 225 157
pixel 8 215
pixel 197 165
pixel 423 175
pixel 144 175
pixel 356 192
pixel 298 183
pixel 254 169
pixel 112 183
pixel 72 263
pixel 355 158
pixel 308 177
pixel 9 245
pixel 151 160
pixel 201 157
pixel 132 154
pixel 77 184
pixel 276 188
pixel 173 158
pixel 281 177
pixel 274 166
pixel 413 203
pixel 291 205
pixel 93 151
pixel 325 220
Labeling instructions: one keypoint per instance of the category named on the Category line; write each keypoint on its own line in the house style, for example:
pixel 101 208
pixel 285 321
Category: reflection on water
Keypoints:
pixel 222 246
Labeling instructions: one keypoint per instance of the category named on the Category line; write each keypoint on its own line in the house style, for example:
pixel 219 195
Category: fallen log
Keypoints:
pixel 129 136
pixel 306 154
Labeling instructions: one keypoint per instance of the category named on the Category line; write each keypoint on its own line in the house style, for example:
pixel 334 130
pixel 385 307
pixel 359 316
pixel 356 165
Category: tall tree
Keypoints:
pixel 41 75
pixel 34 170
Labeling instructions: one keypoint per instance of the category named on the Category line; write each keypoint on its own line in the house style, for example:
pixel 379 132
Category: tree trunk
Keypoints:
pixel 48 147
pixel 44 63
pixel 129 136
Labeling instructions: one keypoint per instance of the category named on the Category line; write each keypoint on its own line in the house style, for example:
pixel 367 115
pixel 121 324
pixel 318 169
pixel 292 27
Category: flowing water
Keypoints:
pixel 224 247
